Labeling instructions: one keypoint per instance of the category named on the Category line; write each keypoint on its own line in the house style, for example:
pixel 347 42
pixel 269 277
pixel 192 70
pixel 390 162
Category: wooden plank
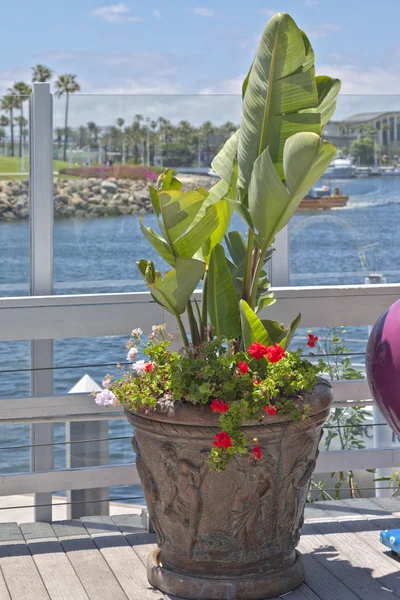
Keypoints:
pixel 323 583
pixel 141 541
pixel 122 560
pixel 94 573
pixel 390 504
pixel 54 567
pixel 331 556
pixel 377 569
pixel 4 593
pixel 302 593
pixel 17 565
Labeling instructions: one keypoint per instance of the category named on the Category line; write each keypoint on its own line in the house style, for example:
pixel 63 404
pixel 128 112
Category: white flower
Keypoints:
pixel 139 366
pixel 105 398
pixel 136 332
pixel 130 357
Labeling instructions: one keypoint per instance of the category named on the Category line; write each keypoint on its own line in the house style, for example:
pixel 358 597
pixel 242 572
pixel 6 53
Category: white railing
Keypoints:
pixel 44 318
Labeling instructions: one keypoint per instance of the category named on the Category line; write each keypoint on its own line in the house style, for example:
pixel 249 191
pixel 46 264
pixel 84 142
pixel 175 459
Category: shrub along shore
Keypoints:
pixel 89 198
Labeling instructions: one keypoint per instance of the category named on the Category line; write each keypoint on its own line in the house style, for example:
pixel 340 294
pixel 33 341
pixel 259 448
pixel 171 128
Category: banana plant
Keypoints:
pixel 265 169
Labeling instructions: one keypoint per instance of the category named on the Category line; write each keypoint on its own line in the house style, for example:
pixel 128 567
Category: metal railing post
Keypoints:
pixel 280 267
pixel 41 232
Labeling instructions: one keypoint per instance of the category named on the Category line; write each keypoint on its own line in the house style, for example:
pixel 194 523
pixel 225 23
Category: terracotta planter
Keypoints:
pixel 228 535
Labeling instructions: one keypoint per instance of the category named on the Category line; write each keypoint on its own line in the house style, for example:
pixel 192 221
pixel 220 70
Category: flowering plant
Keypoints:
pixel 243 386
pixel 234 359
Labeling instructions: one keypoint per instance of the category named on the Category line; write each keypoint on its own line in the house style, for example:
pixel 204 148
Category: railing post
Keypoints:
pixel 41 232
pixel 86 502
pixel 280 266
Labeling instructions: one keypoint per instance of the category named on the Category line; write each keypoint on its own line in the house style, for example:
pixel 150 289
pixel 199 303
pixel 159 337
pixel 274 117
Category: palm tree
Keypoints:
pixel 66 84
pixel 41 73
pixel 120 122
pixel 21 90
pixel 8 104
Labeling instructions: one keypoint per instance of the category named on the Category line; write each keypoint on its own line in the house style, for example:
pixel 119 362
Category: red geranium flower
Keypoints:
pixel 148 367
pixel 312 340
pixel 257 382
pixel 222 440
pixel 219 406
pixel 256 453
pixel 243 368
pixel 257 350
pixel 271 410
pixel 275 353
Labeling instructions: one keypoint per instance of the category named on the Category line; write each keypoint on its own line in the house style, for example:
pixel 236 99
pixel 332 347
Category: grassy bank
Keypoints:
pixel 12 164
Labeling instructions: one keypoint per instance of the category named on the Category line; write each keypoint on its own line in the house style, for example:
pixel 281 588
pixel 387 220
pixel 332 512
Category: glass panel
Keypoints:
pixel 14 202
pixel 115 146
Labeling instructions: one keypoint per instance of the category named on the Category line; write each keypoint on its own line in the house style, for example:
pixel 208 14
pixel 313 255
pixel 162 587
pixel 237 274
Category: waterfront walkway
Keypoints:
pixel 103 558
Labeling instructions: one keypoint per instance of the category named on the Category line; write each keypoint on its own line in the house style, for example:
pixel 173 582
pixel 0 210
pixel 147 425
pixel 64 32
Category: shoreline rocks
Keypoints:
pixel 89 198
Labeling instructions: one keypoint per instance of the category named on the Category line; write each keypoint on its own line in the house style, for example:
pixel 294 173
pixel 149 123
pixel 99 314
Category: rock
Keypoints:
pixel 24 213
pixel 109 186
pixel 77 201
pixel 62 198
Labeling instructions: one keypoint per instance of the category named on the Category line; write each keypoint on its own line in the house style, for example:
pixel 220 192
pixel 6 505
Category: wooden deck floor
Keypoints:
pixel 103 558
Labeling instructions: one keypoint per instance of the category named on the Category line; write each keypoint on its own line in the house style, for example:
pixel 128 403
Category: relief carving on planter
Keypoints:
pixel 183 492
pixel 150 490
pixel 295 486
pixel 253 510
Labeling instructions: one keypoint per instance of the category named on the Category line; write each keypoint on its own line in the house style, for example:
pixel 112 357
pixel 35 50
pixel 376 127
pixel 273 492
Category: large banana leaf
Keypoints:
pixel 222 302
pixel 159 244
pixel 253 329
pixel 178 211
pixel 223 163
pixel 328 90
pixel 281 83
pixel 174 291
pixel 200 231
pixel 271 202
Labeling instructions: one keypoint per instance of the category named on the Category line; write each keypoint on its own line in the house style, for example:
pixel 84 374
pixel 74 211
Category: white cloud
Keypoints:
pixel 116 13
pixel 156 13
pixel 325 30
pixel 268 12
pixel 311 3
pixel 203 11
pixel 226 86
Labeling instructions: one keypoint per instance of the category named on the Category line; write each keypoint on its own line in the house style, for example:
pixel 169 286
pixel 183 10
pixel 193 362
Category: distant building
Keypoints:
pixel 383 127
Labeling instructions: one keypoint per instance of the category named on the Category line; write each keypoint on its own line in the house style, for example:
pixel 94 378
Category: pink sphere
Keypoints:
pixel 383 365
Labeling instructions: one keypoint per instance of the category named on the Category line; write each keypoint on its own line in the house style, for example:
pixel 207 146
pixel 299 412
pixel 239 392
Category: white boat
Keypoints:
pixel 340 168
pixel 391 172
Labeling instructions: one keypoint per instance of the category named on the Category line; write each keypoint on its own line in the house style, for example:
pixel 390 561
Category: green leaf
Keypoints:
pixel 281 84
pixel 159 244
pixel 236 247
pixel 141 265
pixel 201 230
pixel 290 332
pixel 167 181
pixel 174 291
pixel 275 331
pixel 222 300
pixel 223 163
pixel 179 210
pixel 264 300
pixel 253 329
pixel 224 212
pixel 267 195
pixel 306 157
pixel 328 90
pixel 155 201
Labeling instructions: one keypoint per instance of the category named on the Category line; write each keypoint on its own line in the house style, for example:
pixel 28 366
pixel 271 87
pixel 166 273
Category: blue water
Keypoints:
pixel 99 256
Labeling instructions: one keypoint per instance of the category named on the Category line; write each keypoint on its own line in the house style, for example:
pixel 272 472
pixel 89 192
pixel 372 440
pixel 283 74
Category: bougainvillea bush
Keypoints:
pixel 134 173
pixel 235 359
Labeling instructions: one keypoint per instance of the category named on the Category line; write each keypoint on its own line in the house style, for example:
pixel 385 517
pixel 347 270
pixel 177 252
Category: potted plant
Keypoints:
pixel 227 430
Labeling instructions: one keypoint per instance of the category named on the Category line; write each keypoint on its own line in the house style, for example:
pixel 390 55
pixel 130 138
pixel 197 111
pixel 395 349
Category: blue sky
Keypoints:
pixel 187 47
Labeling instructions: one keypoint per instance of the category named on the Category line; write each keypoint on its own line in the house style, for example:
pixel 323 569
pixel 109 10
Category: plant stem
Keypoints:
pixel 248 270
pixel 194 330
pixel 204 308
pixel 256 276
pixel 182 331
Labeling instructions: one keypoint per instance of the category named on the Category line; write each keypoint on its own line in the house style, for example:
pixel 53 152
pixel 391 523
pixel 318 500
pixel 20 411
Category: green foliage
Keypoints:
pixel 363 150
